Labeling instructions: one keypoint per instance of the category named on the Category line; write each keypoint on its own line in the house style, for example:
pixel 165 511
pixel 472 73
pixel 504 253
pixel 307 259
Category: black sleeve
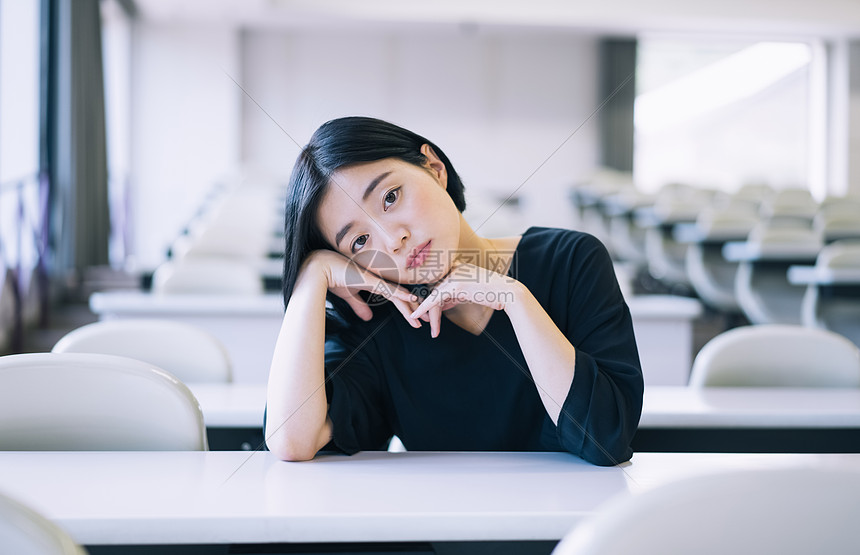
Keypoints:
pixel 601 412
pixel 354 389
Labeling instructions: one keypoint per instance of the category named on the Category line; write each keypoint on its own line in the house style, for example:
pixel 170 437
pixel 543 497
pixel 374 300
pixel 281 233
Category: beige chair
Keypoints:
pixel 790 511
pixel 777 355
pixel 207 276
pixel 24 531
pixel 836 306
pixel 762 289
pixel 186 351
pixel 94 402
pixel 712 276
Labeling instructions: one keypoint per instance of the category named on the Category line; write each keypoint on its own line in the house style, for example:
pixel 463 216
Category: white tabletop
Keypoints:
pixel 241 406
pixel 740 251
pixel 691 232
pixel 804 275
pixel 235 497
pixel 131 303
pixel 750 407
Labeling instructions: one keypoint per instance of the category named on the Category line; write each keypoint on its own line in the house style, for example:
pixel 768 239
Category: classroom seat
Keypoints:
pixel 789 205
pixel 762 289
pixel 835 306
pixel 711 275
pixel 838 221
pixel 588 205
pixel 667 256
pixel 777 355
pixel 789 510
pixel 627 238
pixel 207 276
pixel 186 351
pixel 24 531
pixel 94 402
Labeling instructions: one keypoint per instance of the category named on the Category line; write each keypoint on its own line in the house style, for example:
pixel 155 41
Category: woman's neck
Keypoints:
pixel 491 254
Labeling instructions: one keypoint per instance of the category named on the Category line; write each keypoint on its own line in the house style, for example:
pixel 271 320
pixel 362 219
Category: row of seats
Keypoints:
pixel 123 403
pixel 128 376
pixel 230 245
pixel 734 251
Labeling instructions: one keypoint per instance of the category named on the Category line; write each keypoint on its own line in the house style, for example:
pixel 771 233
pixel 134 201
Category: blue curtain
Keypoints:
pixel 74 153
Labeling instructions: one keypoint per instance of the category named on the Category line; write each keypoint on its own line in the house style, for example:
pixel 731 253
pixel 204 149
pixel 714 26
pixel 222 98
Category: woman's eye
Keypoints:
pixel 391 197
pixel 359 242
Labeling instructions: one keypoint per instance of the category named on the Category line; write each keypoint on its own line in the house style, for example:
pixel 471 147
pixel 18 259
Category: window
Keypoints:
pixel 19 136
pixel 720 113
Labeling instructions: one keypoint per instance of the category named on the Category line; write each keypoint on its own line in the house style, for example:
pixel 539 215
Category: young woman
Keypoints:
pixel 530 344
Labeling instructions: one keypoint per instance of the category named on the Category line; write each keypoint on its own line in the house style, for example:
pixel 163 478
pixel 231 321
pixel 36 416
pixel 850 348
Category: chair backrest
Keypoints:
pixel 777 355
pixel 777 510
pixel 207 276
pixel 94 402
pixel 835 308
pixel 186 351
pixel 23 531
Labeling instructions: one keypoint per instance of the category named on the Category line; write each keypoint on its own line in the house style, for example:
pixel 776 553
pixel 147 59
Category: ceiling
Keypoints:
pixel 794 18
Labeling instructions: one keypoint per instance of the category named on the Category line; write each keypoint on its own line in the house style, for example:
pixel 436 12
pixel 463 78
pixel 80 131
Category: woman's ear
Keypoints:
pixel 435 165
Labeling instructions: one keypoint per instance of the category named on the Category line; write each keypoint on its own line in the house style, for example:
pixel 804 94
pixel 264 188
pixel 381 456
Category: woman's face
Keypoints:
pixel 393 218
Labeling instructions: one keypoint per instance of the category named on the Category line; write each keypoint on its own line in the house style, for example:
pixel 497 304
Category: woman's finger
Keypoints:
pixel 406 310
pixel 431 299
pixel 435 320
pixel 359 307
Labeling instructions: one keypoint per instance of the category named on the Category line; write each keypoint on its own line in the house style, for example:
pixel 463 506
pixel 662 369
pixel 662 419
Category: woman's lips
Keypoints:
pixel 418 256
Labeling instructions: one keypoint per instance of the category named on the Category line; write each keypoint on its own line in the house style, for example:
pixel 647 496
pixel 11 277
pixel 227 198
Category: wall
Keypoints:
pixel 498 101
pixel 854 119
pixel 185 122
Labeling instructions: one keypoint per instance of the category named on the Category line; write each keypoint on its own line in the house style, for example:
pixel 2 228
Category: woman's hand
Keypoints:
pixel 345 279
pixel 465 283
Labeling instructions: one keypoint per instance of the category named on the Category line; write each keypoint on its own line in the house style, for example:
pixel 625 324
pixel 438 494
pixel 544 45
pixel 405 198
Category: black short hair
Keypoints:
pixel 335 145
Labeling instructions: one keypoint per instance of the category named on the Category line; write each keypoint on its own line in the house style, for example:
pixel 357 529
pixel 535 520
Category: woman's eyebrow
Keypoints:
pixel 367 192
pixel 373 185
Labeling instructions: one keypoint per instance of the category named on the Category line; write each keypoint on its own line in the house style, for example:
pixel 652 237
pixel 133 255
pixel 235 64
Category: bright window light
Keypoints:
pixel 731 79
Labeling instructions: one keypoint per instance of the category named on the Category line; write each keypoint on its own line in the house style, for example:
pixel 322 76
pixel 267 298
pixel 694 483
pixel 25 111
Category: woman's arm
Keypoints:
pixel 593 392
pixel 550 356
pixel 297 425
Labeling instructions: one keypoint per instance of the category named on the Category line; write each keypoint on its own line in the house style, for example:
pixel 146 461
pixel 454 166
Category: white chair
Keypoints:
pixel 762 288
pixel 94 402
pixel 207 276
pixel 712 276
pixel 836 221
pixel 790 511
pixel 24 531
pixel 777 355
pixel 835 306
pixel 666 256
pixel 790 204
pixel 186 351
pixel 628 238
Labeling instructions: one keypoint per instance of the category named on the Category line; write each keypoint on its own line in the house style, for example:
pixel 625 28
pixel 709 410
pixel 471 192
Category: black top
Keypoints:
pixel 466 392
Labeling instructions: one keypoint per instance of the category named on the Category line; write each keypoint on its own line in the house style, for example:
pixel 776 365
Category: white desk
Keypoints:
pixel 729 419
pixel 249 325
pixel 241 406
pixel 146 498
pixel 691 232
pixel 745 251
pixel 663 325
pixel 809 275
pixel 750 407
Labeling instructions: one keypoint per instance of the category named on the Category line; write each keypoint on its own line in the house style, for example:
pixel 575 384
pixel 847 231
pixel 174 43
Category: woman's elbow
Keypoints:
pixel 291 451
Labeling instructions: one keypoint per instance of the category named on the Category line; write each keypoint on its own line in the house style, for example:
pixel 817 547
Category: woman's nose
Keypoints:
pixel 396 239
